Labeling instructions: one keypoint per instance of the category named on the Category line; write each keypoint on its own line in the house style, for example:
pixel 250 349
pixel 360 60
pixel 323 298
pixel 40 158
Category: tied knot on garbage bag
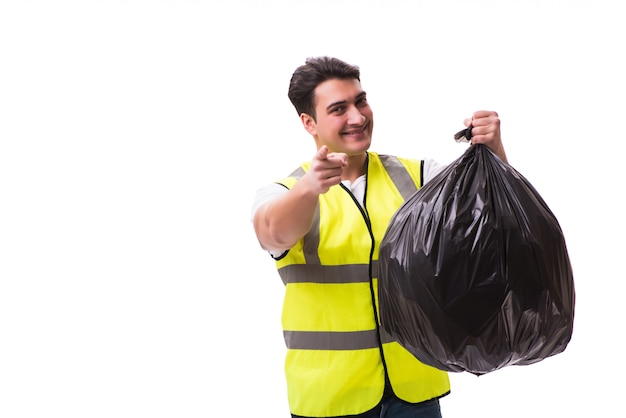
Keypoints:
pixel 474 270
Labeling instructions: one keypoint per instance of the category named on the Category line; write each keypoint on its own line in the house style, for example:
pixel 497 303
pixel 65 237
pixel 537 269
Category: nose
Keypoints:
pixel 355 117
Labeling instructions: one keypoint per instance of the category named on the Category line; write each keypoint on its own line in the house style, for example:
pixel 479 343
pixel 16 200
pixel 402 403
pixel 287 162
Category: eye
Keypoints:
pixel 338 109
pixel 361 102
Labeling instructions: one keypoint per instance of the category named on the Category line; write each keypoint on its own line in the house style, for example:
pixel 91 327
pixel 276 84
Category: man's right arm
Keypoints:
pixel 281 222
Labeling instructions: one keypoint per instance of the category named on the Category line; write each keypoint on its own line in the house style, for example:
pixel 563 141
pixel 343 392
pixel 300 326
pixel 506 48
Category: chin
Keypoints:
pixel 361 148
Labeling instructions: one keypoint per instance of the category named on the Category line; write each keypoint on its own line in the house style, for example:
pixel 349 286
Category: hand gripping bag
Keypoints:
pixel 474 270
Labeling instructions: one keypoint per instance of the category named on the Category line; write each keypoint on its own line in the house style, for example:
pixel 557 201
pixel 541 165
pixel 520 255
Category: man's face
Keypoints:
pixel 344 118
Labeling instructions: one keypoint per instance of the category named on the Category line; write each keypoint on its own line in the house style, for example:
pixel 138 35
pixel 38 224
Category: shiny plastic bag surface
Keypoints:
pixel 474 270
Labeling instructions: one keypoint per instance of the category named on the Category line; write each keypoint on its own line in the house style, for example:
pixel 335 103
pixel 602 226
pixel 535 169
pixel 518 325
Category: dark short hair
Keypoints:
pixel 315 71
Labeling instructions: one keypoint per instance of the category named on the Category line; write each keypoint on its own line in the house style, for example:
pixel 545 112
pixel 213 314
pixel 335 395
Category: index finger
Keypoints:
pixel 339 157
pixel 322 152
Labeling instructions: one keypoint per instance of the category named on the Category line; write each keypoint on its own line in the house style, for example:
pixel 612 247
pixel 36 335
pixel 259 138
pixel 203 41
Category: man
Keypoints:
pixel 323 225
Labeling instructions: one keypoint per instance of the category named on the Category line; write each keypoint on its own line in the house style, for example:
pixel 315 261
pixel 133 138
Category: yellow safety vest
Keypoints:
pixel 337 355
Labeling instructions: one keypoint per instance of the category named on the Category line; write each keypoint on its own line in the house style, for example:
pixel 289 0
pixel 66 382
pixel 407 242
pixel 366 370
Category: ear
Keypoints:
pixel 309 123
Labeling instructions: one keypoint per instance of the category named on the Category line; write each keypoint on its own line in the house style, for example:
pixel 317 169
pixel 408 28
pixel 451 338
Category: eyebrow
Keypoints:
pixel 358 96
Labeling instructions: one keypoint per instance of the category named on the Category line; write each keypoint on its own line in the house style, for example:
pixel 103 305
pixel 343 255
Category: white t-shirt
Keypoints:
pixel 273 190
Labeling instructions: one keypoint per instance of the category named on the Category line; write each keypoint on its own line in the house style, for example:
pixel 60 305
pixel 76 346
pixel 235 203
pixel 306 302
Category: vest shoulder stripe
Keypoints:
pixel 399 175
pixel 324 340
pixel 312 240
pixel 297 173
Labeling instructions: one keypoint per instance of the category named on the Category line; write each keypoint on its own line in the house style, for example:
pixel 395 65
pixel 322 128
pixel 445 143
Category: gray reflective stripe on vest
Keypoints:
pixel 312 240
pixel 323 340
pixel 297 173
pixel 316 273
pixel 399 175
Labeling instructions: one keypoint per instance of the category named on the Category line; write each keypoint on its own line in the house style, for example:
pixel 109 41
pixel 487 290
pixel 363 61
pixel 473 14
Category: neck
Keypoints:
pixel 357 166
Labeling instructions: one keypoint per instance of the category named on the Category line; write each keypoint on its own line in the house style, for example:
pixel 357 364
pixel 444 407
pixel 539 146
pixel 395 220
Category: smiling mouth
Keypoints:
pixel 359 131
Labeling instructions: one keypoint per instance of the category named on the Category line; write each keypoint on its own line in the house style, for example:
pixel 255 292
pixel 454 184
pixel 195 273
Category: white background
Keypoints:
pixel 134 134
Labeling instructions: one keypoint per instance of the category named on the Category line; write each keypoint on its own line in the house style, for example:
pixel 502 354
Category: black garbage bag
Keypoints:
pixel 474 270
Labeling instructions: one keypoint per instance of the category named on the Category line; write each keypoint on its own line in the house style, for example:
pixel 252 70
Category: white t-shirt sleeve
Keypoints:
pixel 265 194
pixel 431 169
